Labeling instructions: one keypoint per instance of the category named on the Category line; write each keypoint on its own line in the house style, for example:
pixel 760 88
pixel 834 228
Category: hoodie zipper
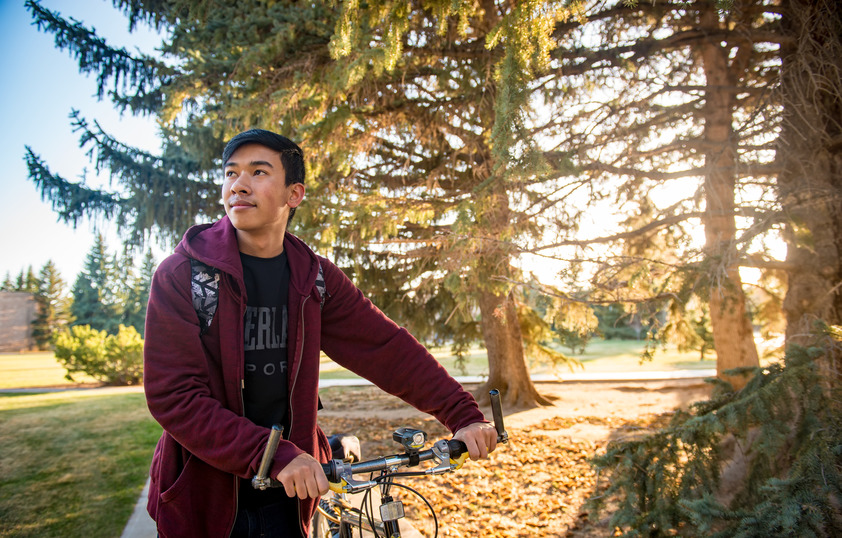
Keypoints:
pixel 289 436
pixel 291 391
pixel 243 414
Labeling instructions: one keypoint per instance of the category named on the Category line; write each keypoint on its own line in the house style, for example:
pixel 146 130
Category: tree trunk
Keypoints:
pixel 733 337
pixel 810 157
pixel 507 369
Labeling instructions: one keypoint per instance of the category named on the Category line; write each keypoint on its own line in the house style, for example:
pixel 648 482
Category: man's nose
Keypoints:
pixel 241 184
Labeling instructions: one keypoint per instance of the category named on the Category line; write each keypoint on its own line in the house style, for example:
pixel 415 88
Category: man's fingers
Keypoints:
pixel 479 438
pixel 304 478
pixel 323 484
pixel 491 439
pixel 314 485
pixel 481 452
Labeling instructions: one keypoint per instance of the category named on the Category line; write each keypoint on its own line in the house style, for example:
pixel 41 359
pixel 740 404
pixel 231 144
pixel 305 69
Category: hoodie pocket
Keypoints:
pixel 170 465
pixel 181 481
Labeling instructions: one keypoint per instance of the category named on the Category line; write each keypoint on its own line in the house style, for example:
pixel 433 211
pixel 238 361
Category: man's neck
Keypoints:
pixel 261 246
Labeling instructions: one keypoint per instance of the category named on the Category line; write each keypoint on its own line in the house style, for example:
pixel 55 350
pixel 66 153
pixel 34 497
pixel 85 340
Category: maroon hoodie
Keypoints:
pixel 193 382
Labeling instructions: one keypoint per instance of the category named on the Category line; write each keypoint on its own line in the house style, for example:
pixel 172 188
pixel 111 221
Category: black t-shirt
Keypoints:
pixel 265 328
pixel 265 390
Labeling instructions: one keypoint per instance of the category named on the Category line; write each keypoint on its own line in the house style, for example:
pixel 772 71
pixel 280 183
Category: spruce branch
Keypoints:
pixel 71 201
pixel 142 74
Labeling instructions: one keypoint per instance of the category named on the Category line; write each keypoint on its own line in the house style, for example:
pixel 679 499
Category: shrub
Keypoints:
pixel 115 359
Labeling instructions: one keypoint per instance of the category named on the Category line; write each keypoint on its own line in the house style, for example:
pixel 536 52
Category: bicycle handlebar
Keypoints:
pixel 450 454
pixel 447 452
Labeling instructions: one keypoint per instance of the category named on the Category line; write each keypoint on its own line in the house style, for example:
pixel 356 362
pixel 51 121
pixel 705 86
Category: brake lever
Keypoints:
pixel 347 483
pixel 442 452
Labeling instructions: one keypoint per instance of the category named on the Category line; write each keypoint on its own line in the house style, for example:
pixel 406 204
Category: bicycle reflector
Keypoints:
pixel 412 440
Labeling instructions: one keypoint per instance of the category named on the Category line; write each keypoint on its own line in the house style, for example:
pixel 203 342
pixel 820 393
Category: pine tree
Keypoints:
pixel 26 281
pixel 20 281
pixel 416 195
pixel 8 283
pixel 680 101
pixel 95 300
pixel 810 182
pixel 54 305
pixel 137 295
pixel 124 268
pixel 783 427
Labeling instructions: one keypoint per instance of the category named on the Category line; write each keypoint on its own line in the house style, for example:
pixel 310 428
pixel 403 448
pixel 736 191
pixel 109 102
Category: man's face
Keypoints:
pixel 255 194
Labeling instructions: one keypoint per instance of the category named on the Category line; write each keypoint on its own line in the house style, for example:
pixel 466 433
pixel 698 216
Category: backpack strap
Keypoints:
pixel 321 287
pixel 204 286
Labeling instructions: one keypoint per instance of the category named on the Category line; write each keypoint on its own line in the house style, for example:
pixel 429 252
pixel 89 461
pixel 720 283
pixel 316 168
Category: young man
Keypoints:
pixel 237 318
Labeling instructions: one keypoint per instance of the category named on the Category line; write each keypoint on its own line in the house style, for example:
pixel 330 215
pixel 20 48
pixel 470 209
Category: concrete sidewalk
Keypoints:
pixel 140 525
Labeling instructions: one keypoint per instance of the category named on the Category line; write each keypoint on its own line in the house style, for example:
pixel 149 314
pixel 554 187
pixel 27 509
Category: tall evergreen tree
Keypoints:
pixel 810 158
pixel 54 305
pixel 20 280
pixel 782 477
pixel 137 295
pixel 126 272
pixel 26 281
pixel 673 100
pixel 8 283
pixel 415 190
pixel 95 299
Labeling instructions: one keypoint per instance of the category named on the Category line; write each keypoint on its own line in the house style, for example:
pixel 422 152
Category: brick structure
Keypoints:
pixel 17 312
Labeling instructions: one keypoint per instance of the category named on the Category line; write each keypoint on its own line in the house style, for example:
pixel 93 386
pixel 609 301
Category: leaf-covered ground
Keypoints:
pixel 534 486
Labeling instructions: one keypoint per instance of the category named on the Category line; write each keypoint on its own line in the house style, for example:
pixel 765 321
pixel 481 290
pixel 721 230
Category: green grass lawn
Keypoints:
pixel 600 356
pixel 72 464
pixel 35 370
pixel 42 370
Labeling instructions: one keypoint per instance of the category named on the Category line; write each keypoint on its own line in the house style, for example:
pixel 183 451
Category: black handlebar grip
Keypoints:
pixel 497 413
pixel 331 472
pixel 456 448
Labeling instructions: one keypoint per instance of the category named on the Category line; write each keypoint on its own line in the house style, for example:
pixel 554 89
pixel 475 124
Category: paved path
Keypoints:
pixel 140 525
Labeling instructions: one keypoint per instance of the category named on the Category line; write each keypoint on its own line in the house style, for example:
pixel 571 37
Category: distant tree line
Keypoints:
pixel 110 291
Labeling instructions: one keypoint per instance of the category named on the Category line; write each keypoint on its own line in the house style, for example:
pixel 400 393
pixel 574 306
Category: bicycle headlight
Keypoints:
pixel 411 439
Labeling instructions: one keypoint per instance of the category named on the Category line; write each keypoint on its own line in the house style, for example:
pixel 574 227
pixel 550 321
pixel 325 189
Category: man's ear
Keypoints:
pixel 296 194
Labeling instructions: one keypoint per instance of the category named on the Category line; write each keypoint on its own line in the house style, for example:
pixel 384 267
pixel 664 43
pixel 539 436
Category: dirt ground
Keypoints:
pixel 538 483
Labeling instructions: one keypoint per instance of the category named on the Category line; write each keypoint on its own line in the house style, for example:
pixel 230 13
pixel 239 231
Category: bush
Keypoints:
pixel 113 359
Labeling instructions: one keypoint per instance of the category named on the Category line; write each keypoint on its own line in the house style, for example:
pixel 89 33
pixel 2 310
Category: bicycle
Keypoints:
pixel 337 517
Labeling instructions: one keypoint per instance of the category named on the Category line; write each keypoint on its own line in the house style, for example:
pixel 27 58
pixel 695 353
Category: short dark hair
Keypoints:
pixel 292 158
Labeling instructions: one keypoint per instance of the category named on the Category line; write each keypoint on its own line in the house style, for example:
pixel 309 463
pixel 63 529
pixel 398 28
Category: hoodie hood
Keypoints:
pixel 216 245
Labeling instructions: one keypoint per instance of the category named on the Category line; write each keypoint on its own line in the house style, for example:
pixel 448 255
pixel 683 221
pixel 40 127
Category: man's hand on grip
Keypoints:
pixel 304 478
pixel 480 438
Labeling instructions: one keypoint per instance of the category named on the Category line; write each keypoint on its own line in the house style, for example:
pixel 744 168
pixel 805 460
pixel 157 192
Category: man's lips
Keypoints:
pixel 240 203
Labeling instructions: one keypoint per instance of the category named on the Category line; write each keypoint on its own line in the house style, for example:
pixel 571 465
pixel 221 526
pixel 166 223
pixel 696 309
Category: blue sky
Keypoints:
pixel 40 87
